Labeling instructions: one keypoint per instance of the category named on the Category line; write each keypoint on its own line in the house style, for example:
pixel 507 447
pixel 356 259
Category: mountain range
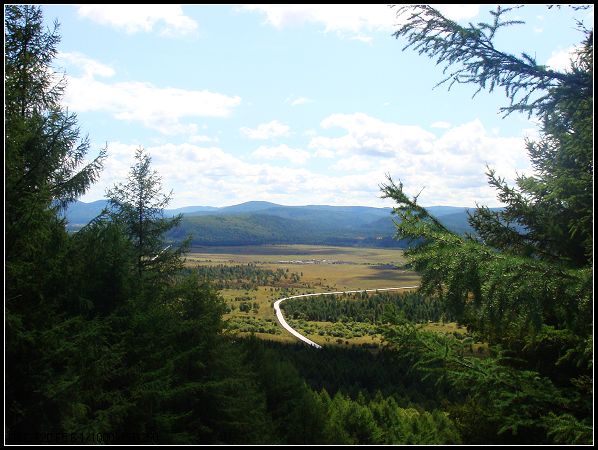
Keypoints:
pixel 259 222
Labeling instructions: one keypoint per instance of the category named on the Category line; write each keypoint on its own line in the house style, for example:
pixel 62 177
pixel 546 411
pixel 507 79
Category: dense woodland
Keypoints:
pixel 262 228
pixel 362 307
pixel 109 341
pixel 243 276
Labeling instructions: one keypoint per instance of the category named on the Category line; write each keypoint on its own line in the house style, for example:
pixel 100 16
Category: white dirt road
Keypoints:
pixel 298 335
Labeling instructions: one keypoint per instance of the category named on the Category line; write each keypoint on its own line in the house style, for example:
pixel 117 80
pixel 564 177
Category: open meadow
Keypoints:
pixel 341 268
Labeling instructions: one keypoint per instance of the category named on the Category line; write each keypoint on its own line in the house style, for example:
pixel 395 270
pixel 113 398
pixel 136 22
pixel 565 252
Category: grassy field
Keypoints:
pixel 318 269
pixel 274 253
pixel 339 268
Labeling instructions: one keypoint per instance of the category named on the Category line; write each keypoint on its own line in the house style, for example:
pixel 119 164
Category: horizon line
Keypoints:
pixel 291 206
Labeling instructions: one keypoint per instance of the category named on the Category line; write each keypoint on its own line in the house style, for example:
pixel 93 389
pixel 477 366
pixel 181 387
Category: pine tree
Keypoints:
pixel 44 152
pixel 44 171
pixel 43 149
pixel 547 215
pixel 139 205
pixel 524 280
pixel 470 56
pixel 85 360
pixel 529 264
pixel 554 206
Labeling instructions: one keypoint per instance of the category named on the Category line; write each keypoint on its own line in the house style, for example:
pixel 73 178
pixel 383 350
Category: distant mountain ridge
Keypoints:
pixel 259 222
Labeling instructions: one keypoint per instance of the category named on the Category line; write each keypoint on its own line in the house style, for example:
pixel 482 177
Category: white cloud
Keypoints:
pixel 458 12
pixel 451 171
pixel 141 18
pixel 466 149
pixel 266 130
pixel 561 59
pixel 450 167
pixel 440 124
pixel 202 138
pixel 294 100
pixel 353 18
pixel 366 134
pixel 301 101
pixel 355 163
pixel 363 38
pixel 294 155
pixel 89 66
pixel 324 153
pixel 159 108
pixel 348 18
pixel 209 175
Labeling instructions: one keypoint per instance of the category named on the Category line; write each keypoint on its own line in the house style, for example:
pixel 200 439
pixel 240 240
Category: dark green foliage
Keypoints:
pixel 548 215
pixel 94 352
pixel 411 426
pixel 109 342
pixel 555 205
pixel 261 228
pixel 252 324
pixel 43 150
pixel 106 259
pixel 296 414
pixel 525 280
pixel 43 158
pixel 529 267
pixel 500 295
pixel 503 403
pixel 351 370
pixel 29 52
pixel 43 155
pixel 366 308
pixel 304 415
pixel 566 429
pixel 246 276
pixel 184 383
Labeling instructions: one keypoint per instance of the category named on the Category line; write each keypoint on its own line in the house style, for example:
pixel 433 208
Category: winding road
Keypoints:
pixel 298 335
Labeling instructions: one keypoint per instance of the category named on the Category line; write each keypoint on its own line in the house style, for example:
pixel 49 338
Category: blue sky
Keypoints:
pixel 303 104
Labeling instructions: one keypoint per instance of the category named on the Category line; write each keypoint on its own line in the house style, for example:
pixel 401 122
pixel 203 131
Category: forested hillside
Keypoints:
pixel 254 223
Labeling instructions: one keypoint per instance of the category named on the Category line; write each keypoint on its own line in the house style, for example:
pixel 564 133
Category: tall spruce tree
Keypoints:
pixel 139 205
pixel 44 153
pixel 530 263
pixel 44 171
pixel 524 280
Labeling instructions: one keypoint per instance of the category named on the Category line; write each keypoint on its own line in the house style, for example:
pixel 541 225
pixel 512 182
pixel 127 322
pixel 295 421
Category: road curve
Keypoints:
pixel 299 336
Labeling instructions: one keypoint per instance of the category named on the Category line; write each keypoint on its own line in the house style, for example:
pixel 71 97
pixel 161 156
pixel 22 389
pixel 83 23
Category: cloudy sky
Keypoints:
pixel 292 104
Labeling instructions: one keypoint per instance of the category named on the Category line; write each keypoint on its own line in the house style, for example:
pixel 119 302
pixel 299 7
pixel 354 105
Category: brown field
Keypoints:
pixel 340 268
pixel 275 253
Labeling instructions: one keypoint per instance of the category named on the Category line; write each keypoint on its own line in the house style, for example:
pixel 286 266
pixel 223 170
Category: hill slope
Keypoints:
pixel 259 222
